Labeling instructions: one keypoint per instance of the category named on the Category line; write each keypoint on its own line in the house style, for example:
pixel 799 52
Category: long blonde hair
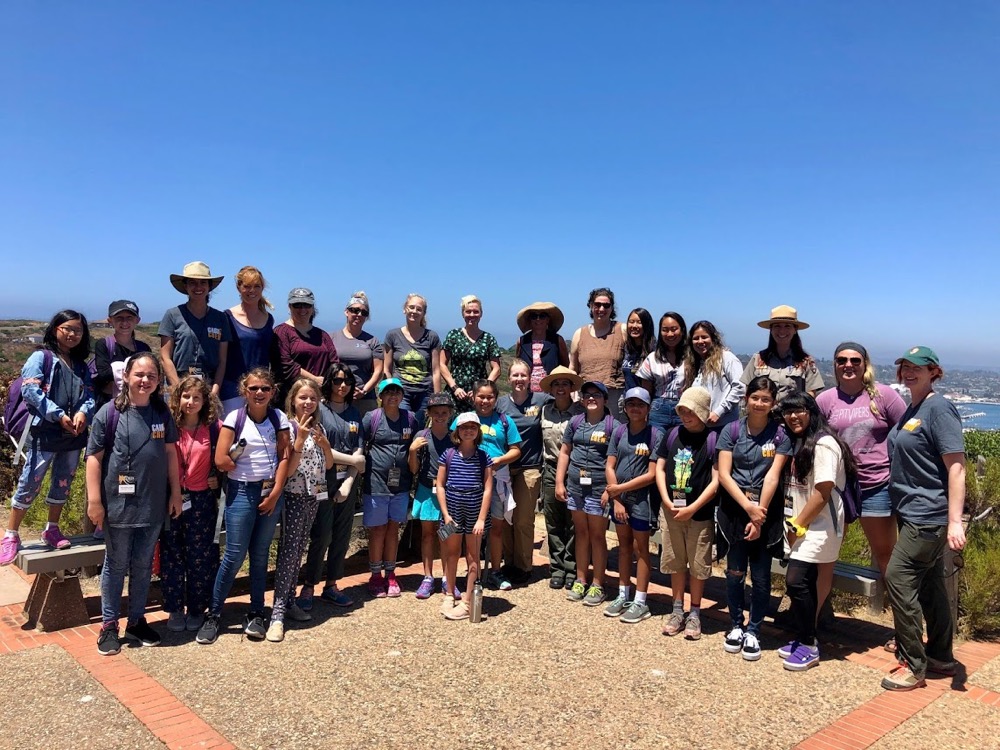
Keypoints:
pixel 712 364
pixel 252 275
pixel 414 295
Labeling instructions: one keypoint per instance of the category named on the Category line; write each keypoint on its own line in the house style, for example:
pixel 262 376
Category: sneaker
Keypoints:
pixel 946 668
pixel 194 623
pixel 491 580
pixel 455 592
pixel 426 588
pixel 336 597
pixel 595 595
pixel 619 605
pixel 692 628
pixel 802 658
pixel 577 592
pixel 734 640
pixel 140 631
pixel 54 538
pixel 376 586
pixel 674 623
pixel 297 614
pixel 785 651
pixel 636 612
pixel 305 601
pixel 503 583
pixel 459 612
pixel 253 626
pixel 570 580
pixel 557 581
pixel 902 679
pixel 276 632
pixel 107 642
pixel 209 631
pixel 751 648
pixel 392 589
pixel 176 623
pixel 9 547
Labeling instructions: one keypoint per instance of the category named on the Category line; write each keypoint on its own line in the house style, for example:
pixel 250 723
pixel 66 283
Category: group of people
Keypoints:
pixel 648 425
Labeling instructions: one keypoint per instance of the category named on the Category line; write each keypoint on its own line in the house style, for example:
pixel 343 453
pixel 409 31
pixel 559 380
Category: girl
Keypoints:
pixel 752 454
pixel 713 367
pixel 814 518
pixel 413 356
pixel 253 449
pixel 581 482
pixel 597 350
pixel 130 461
pixel 469 354
pixel 784 360
pixel 464 488
pixel 111 351
pixel 662 372
pixel 311 458
pixel 189 557
pixel 639 342
pixel 56 388
pixel 251 327
pixel 540 345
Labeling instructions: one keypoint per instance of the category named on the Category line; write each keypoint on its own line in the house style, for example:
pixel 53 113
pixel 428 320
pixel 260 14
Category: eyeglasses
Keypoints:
pixel 790 412
pixel 358 311
pixel 602 305
pixel 300 305
pixel 70 330
pixel 260 388
pixel 856 361
pixel 592 394
pixel 338 381
pixel 538 316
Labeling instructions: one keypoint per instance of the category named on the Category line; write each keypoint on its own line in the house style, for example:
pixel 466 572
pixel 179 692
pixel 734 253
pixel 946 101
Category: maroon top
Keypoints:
pixel 291 352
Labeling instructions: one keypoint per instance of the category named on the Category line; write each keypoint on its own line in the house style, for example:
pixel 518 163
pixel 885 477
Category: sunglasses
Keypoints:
pixel 300 305
pixel 260 388
pixel 538 316
pixel 602 305
pixel 338 381
pixel 358 311
pixel 856 361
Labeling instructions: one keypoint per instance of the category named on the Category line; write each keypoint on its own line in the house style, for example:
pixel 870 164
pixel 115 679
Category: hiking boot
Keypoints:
pixel 902 679
pixel 176 623
pixel 570 580
pixel 194 623
pixel 636 612
pixel 785 651
pixel 619 605
pixel 802 658
pixel 253 626
pixel 209 631
pixel 336 597
pixel 595 595
pixel 295 613
pixel 276 632
pixel 946 668
pixel 692 628
pixel 426 588
pixel 577 593
pixel 751 647
pixel 9 547
pixel 55 539
pixel 107 642
pixel 734 640
pixel 392 589
pixel 141 632
pixel 674 623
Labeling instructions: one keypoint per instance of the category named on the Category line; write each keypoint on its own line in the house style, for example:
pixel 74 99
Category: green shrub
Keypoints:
pixel 978 585
pixel 982 443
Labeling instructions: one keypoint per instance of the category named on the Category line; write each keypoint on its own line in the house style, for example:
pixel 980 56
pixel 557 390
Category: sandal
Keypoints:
pixel 890 645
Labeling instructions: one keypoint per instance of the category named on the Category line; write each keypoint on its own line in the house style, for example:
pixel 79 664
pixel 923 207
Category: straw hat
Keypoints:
pixel 561 373
pixel 698 400
pixel 195 270
pixel 784 314
pixel 556 317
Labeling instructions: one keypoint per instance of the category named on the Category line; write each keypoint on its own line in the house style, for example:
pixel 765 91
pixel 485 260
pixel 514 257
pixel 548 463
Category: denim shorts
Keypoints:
pixel 378 510
pixel 638 515
pixel 875 502
pixel 589 504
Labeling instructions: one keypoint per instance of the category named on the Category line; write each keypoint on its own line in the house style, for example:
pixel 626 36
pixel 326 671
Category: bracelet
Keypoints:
pixel 792 525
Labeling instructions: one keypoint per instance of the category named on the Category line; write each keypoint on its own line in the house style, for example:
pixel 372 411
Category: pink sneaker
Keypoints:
pixel 54 538
pixel 393 589
pixel 376 586
pixel 9 547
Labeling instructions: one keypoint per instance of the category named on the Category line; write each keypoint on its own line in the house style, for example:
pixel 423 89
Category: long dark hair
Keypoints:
pixel 78 353
pixel 327 388
pixel 800 356
pixel 802 461
pixel 646 343
pixel 680 351
pixel 693 362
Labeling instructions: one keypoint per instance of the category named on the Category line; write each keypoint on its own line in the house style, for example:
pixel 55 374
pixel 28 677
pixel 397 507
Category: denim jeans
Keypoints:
pixel 756 557
pixel 64 465
pixel 663 413
pixel 127 550
pixel 247 530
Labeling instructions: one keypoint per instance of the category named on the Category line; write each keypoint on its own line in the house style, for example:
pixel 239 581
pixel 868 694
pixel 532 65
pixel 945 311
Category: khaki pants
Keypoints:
pixel 519 538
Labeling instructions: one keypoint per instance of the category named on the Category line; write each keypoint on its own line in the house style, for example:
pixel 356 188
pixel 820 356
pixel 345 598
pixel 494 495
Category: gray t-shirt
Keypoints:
pixel 753 454
pixel 588 454
pixel 358 353
pixel 633 453
pixel 196 340
pixel 390 445
pixel 345 435
pixel 528 419
pixel 411 363
pixel 430 456
pixel 142 439
pixel 918 482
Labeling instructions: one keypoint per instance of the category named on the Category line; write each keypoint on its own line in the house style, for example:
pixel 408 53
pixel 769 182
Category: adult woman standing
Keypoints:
pixel 469 354
pixel 541 346
pixel 784 360
pixel 639 342
pixel 662 373
pixel 927 488
pixel 716 369
pixel 194 338
pixel 251 328
pixel 299 349
pixel 412 353
pixel 598 349
pixel 361 351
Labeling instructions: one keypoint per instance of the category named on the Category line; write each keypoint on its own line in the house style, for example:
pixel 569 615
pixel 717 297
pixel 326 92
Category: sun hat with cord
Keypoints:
pixel 556 317
pixel 784 314
pixel 560 373
pixel 195 270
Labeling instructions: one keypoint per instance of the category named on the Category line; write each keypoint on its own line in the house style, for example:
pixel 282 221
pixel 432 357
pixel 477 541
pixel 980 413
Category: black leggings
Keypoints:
pixel 800 582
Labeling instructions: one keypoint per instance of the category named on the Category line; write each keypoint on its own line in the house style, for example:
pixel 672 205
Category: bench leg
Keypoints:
pixel 55 603
pixel 876 602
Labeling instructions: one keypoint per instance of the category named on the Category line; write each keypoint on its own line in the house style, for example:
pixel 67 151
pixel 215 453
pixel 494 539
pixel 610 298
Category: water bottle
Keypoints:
pixel 237 449
pixel 477 602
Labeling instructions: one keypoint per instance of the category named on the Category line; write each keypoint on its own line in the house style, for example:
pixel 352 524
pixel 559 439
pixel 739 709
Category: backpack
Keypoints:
pixel 452 452
pixel 620 430
pixel 579 419
pixel 111 345
pixel 111 426
pixel 710 441
pixel 734 432
pixel 850 496
pixel 17 414
pixel 376 420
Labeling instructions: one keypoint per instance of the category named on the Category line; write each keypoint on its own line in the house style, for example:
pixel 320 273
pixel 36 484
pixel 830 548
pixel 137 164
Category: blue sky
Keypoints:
pixel 713 158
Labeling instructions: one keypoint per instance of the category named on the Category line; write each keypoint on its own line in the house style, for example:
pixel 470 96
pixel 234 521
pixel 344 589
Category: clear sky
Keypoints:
pixel 712 158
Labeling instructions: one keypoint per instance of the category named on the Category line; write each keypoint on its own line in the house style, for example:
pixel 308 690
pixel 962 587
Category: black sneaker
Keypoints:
pixel 253 626
pixel 141 632
pixel 209 630
pixel 107 642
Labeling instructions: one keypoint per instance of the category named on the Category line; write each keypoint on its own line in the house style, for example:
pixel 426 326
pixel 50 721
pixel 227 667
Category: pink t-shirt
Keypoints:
pixel 194 454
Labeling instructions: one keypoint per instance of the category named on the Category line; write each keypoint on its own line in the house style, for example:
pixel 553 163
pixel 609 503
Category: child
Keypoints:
pixel 130 460
pixel 424 460
pixel 189 557
pixel 631 469
pixel 111 351
pixel 464 489
pixel 686 477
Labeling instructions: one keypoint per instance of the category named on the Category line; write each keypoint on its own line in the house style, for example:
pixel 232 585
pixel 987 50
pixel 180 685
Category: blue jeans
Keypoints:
pixel 663 413
pixel 63 463
pixel 247 530
pixel 127 550
pixel 414 402
pixel 755 556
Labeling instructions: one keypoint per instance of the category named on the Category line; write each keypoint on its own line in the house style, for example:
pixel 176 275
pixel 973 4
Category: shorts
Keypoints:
pixel 875 502
pixel 378 510
pixel 465 515
pixel 589 504
pixel 425 505
pixel 639 515
pixel 687 545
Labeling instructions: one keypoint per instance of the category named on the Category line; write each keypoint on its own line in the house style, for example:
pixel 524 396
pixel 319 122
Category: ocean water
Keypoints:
pixel 990 420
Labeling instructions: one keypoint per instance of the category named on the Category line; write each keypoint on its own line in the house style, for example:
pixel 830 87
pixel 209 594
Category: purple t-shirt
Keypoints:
pixel 866 434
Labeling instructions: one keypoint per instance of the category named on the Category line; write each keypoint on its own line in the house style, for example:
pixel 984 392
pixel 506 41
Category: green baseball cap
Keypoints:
pixel 920 355
pixel 389 383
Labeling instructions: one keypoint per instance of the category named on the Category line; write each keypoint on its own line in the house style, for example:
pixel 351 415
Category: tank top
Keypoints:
pixel 601 358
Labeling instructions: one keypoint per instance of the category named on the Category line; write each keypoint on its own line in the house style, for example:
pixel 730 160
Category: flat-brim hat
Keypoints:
pixel 560 373
pixel 195 270
pixel 556 317
pixel 784 314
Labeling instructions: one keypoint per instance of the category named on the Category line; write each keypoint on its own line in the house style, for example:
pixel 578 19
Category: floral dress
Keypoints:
pixel 469 361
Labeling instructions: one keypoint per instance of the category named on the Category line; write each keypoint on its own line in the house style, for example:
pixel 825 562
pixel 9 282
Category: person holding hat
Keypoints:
pixel 361 351
pixel 927 489
pixel 784 360
pixel 598 349
pixel 111 352
pixel 560 384
pixel 252 327
pixel 298 348
pixel 541 346
pixel 469 354
pixel 194 338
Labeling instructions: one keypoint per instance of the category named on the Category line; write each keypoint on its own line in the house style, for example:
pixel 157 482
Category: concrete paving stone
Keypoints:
pixel 952 722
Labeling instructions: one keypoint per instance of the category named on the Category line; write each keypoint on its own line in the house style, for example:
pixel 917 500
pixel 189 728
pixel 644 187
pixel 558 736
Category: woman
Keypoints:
pixel 662 372
pixel 468 355
pixel 524 409
pixel 360 351
pixel 413 355
pixel 299 349
pixel 927 487
pixel 639 342
pixel 194 338
pixel 251 327
pixel 716 369
pixel 541 346
pixel 598 349
pixel 784 360
pixel 56 388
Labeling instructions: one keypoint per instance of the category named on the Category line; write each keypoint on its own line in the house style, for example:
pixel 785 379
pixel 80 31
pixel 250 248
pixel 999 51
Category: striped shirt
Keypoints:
pixel 464 478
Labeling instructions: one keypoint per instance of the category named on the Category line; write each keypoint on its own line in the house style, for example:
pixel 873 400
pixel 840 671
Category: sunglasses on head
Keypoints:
pixel 358 311
pixel 856 361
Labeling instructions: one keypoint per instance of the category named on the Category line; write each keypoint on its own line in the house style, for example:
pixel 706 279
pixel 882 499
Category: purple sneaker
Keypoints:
pixel 802 658
pixel 444 589
pixel 426 588
pixel 54 538
pixel 9 547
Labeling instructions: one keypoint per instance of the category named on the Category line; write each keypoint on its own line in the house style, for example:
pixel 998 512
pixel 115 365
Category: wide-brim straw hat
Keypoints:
pixel 559 373
pixel 784 314
pixel 556 317
pixel 195 270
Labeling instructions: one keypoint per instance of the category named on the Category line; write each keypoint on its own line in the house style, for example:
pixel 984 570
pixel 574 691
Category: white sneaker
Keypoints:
pixel 734 641
pixel 176 623
pixel 751 647
pixel 276 632
pixel 296 613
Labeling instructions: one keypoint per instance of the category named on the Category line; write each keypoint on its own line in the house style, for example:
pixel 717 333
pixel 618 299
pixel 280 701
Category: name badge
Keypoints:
pixel 126 483
pixel 752 496
pixel 789 509
pixel 186 504
pixel 321 491
pixel 585 479
pixel 341 473
pixel 266 487
pixel 393 479
pixel 680 499
pixel 197 371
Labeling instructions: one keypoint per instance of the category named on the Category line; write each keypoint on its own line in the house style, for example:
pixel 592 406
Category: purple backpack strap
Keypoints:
pixel 672 436
pixel 576 421
pixel 241 421
pixel 373 424
pixel 110 427
pixel 734 431
pixel 110 344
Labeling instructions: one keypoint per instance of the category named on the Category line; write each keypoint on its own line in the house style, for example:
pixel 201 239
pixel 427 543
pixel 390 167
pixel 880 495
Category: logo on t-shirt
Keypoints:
pixel 352 427
pixel 157 431
pixel 598 437
pixel 767 450
pixel 215 333
pixel 911 424
pixel 642 449
pixel 531 411
pixel 406 433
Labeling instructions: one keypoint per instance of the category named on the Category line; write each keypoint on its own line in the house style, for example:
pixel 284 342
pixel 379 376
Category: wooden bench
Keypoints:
pixel 854 579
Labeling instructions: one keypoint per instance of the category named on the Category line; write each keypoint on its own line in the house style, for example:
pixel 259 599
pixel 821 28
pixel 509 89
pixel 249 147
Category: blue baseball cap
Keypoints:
pixel 389 383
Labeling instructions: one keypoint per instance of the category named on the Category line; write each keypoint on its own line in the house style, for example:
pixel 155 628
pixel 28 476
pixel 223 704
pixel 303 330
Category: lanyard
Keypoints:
pixel 263 441
pixel 129 453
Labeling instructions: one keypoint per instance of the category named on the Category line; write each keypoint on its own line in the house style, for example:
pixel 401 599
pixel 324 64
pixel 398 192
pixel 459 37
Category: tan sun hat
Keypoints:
pixel 560 373
pixel 556 317
pixel 784 314
pixel 195 270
